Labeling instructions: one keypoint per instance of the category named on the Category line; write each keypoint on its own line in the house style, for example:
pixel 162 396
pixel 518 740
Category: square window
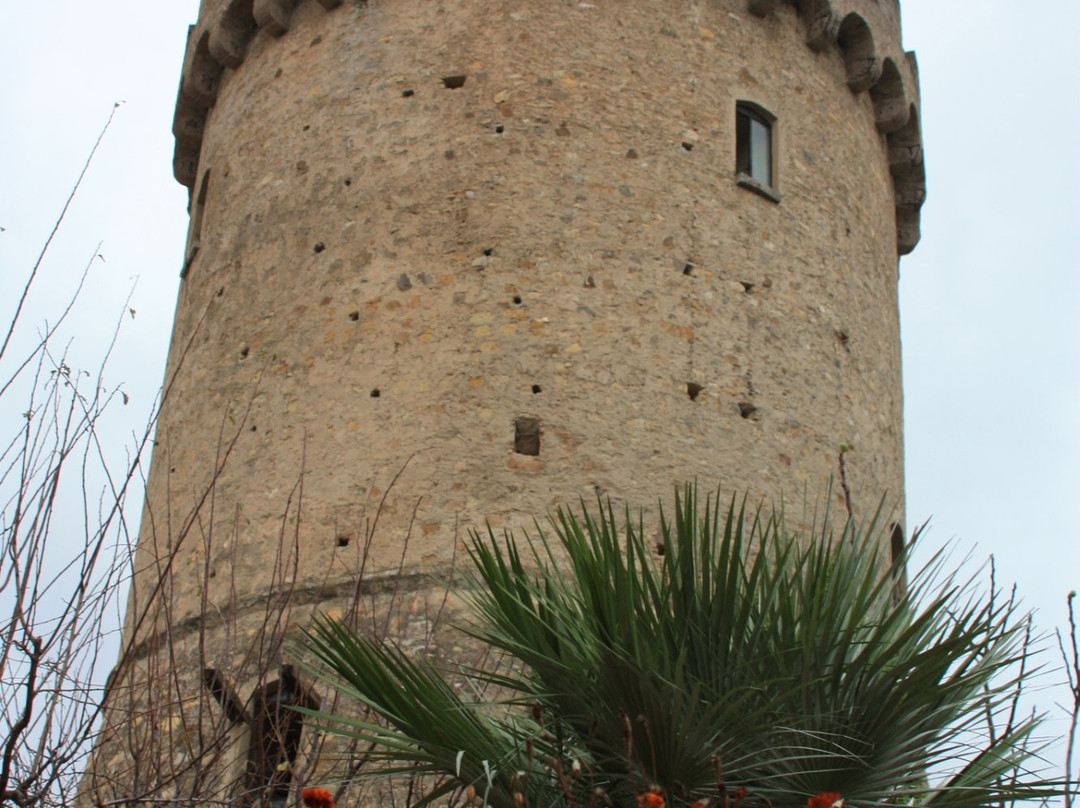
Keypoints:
pixel 754 149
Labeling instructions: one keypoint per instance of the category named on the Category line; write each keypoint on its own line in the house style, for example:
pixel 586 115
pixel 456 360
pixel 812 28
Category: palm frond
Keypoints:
pixel 425 726
pixel 791 660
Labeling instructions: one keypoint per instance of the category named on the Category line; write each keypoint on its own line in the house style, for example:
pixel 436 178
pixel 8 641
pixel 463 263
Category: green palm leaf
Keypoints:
pixel 793 660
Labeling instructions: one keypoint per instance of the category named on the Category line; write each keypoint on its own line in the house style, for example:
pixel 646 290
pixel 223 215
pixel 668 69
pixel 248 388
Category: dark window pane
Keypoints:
pixel 742 141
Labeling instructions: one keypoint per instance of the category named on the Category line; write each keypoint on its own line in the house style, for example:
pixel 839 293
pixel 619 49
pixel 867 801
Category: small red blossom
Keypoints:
pixel 826 799
pixel 317 798
pixel 650 799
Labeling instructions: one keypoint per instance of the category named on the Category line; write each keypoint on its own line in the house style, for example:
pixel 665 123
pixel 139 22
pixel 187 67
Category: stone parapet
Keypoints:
pixel 865 32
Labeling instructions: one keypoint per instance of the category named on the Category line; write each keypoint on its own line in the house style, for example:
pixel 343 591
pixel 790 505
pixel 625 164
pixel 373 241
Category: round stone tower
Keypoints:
pixel 453 262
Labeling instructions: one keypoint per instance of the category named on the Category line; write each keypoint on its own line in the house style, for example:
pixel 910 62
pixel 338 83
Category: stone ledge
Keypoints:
pixel 748 182
pixel 302 594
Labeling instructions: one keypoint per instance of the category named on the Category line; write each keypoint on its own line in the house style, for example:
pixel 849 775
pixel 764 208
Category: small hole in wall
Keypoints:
pixel 244 352
pixel 408 93
pixel 686 144
pixel 536 389
pixel 488 250
pixel 342 541
pixel 747 286
pixel 221 291
pixel 254 428
pixel 453 82
pixel 746 409
pixel 693 389
pixel 527 436
pixel 319 247
pixel 500 129
pixel 375 393
pixel 688 269
pixel 354 316
pixel 517 300
pixel 845 339
pixel 348 182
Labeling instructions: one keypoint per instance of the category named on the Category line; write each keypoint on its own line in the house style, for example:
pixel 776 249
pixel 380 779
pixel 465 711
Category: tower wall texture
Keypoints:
pixel 387 275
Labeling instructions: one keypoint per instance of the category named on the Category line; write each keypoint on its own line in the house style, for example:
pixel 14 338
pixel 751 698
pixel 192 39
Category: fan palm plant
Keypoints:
pixel 730 661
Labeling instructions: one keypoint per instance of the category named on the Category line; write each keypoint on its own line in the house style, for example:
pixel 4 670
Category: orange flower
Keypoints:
pixel 826 799
pixel 650 799
pixel 317 798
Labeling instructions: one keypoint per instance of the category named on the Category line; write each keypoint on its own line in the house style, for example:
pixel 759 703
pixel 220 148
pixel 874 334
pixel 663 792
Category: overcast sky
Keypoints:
pixel 990 299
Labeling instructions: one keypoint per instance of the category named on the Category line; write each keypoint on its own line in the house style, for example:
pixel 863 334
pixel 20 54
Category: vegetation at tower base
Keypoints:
pixel 731 662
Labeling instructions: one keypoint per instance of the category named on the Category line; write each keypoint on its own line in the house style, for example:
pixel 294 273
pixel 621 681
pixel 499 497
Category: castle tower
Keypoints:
pixel 457 261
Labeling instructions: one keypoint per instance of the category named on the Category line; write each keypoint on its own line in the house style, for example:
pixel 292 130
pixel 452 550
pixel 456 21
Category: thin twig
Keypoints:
pixel 1072 671
pixel 52 235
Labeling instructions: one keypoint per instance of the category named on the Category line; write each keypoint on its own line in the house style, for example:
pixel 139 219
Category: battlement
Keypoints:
pixel 864 32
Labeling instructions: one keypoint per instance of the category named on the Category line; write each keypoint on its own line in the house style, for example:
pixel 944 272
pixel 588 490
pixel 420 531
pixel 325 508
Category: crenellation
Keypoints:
pixel 892 109
pixel 226 28
pixel 905 149
pixel 231 29
pixel 202 74
pixel 863 64
pixel 274 15
pixel 822 24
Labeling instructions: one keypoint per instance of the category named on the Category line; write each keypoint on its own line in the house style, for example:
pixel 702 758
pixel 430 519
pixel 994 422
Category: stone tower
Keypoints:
pixel 457 261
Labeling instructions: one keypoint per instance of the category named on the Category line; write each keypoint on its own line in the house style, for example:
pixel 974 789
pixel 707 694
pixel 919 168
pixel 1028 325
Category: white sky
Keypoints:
pixel 990 299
